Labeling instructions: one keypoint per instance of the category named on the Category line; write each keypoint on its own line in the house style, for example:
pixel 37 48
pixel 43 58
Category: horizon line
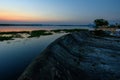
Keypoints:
pixel 31 24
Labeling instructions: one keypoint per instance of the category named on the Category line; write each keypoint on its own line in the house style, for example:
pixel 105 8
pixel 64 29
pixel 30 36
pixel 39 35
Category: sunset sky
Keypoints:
pixel 58 11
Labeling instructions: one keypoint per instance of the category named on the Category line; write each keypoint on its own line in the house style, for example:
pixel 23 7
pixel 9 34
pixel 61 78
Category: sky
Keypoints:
pixel 59 11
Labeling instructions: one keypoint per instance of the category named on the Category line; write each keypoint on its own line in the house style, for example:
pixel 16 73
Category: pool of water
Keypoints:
pixel 16 55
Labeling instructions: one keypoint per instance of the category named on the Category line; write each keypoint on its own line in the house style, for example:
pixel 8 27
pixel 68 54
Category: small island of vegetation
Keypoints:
pixel 35 33
pixel 103 28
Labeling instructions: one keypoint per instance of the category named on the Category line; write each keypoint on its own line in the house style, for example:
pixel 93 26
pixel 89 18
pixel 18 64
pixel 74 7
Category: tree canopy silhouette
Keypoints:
pixel 101 22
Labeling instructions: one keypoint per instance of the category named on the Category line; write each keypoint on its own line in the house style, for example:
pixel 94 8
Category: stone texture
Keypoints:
pixel 77 56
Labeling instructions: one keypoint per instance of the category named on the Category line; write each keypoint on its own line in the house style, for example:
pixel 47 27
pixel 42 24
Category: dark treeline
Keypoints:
pixel 20 24
pixel 38 25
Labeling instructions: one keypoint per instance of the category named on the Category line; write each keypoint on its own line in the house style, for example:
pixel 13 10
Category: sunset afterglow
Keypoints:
pixel 62 11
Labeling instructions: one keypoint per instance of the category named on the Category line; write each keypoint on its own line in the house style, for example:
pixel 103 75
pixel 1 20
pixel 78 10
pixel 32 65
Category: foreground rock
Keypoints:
pixel 77 56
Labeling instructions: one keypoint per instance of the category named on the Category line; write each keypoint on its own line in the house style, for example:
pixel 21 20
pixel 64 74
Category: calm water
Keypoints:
pixel 24 28
pixel 15 55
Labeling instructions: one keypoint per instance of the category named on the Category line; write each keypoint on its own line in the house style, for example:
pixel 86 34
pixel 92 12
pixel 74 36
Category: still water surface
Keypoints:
pixel 16 55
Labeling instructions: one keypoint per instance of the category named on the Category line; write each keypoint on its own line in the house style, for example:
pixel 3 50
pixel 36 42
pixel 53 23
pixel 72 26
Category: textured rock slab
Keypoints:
pixel 77 56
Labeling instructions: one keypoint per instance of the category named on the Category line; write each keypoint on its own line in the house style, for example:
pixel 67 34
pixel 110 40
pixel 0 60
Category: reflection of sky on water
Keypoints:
pixel 19 28
pixel 29 28
pixel 15 55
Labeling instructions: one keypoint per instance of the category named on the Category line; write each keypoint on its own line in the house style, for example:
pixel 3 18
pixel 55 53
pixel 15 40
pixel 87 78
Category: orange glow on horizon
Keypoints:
pixel 16 16
pixel 18 29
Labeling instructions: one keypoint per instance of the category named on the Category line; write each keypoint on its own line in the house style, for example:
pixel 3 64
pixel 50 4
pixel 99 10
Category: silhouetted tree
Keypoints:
pixel 118 26
pixel 101 22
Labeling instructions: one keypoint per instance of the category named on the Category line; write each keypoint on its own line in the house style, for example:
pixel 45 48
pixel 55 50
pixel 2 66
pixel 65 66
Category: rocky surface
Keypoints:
pixel 77 56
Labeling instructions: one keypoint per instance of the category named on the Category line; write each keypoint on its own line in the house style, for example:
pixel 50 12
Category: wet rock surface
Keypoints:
pixel 77 56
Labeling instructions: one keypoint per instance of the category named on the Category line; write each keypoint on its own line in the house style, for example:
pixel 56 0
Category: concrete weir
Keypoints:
pixel 77 56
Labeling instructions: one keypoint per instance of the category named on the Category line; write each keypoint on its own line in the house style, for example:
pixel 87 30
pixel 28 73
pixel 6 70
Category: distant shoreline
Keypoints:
pixel 39 25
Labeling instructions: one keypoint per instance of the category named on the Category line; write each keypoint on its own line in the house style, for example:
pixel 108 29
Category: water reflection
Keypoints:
pixel 15 55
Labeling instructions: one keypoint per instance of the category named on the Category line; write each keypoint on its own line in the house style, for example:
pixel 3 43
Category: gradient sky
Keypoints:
pixel 58 11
